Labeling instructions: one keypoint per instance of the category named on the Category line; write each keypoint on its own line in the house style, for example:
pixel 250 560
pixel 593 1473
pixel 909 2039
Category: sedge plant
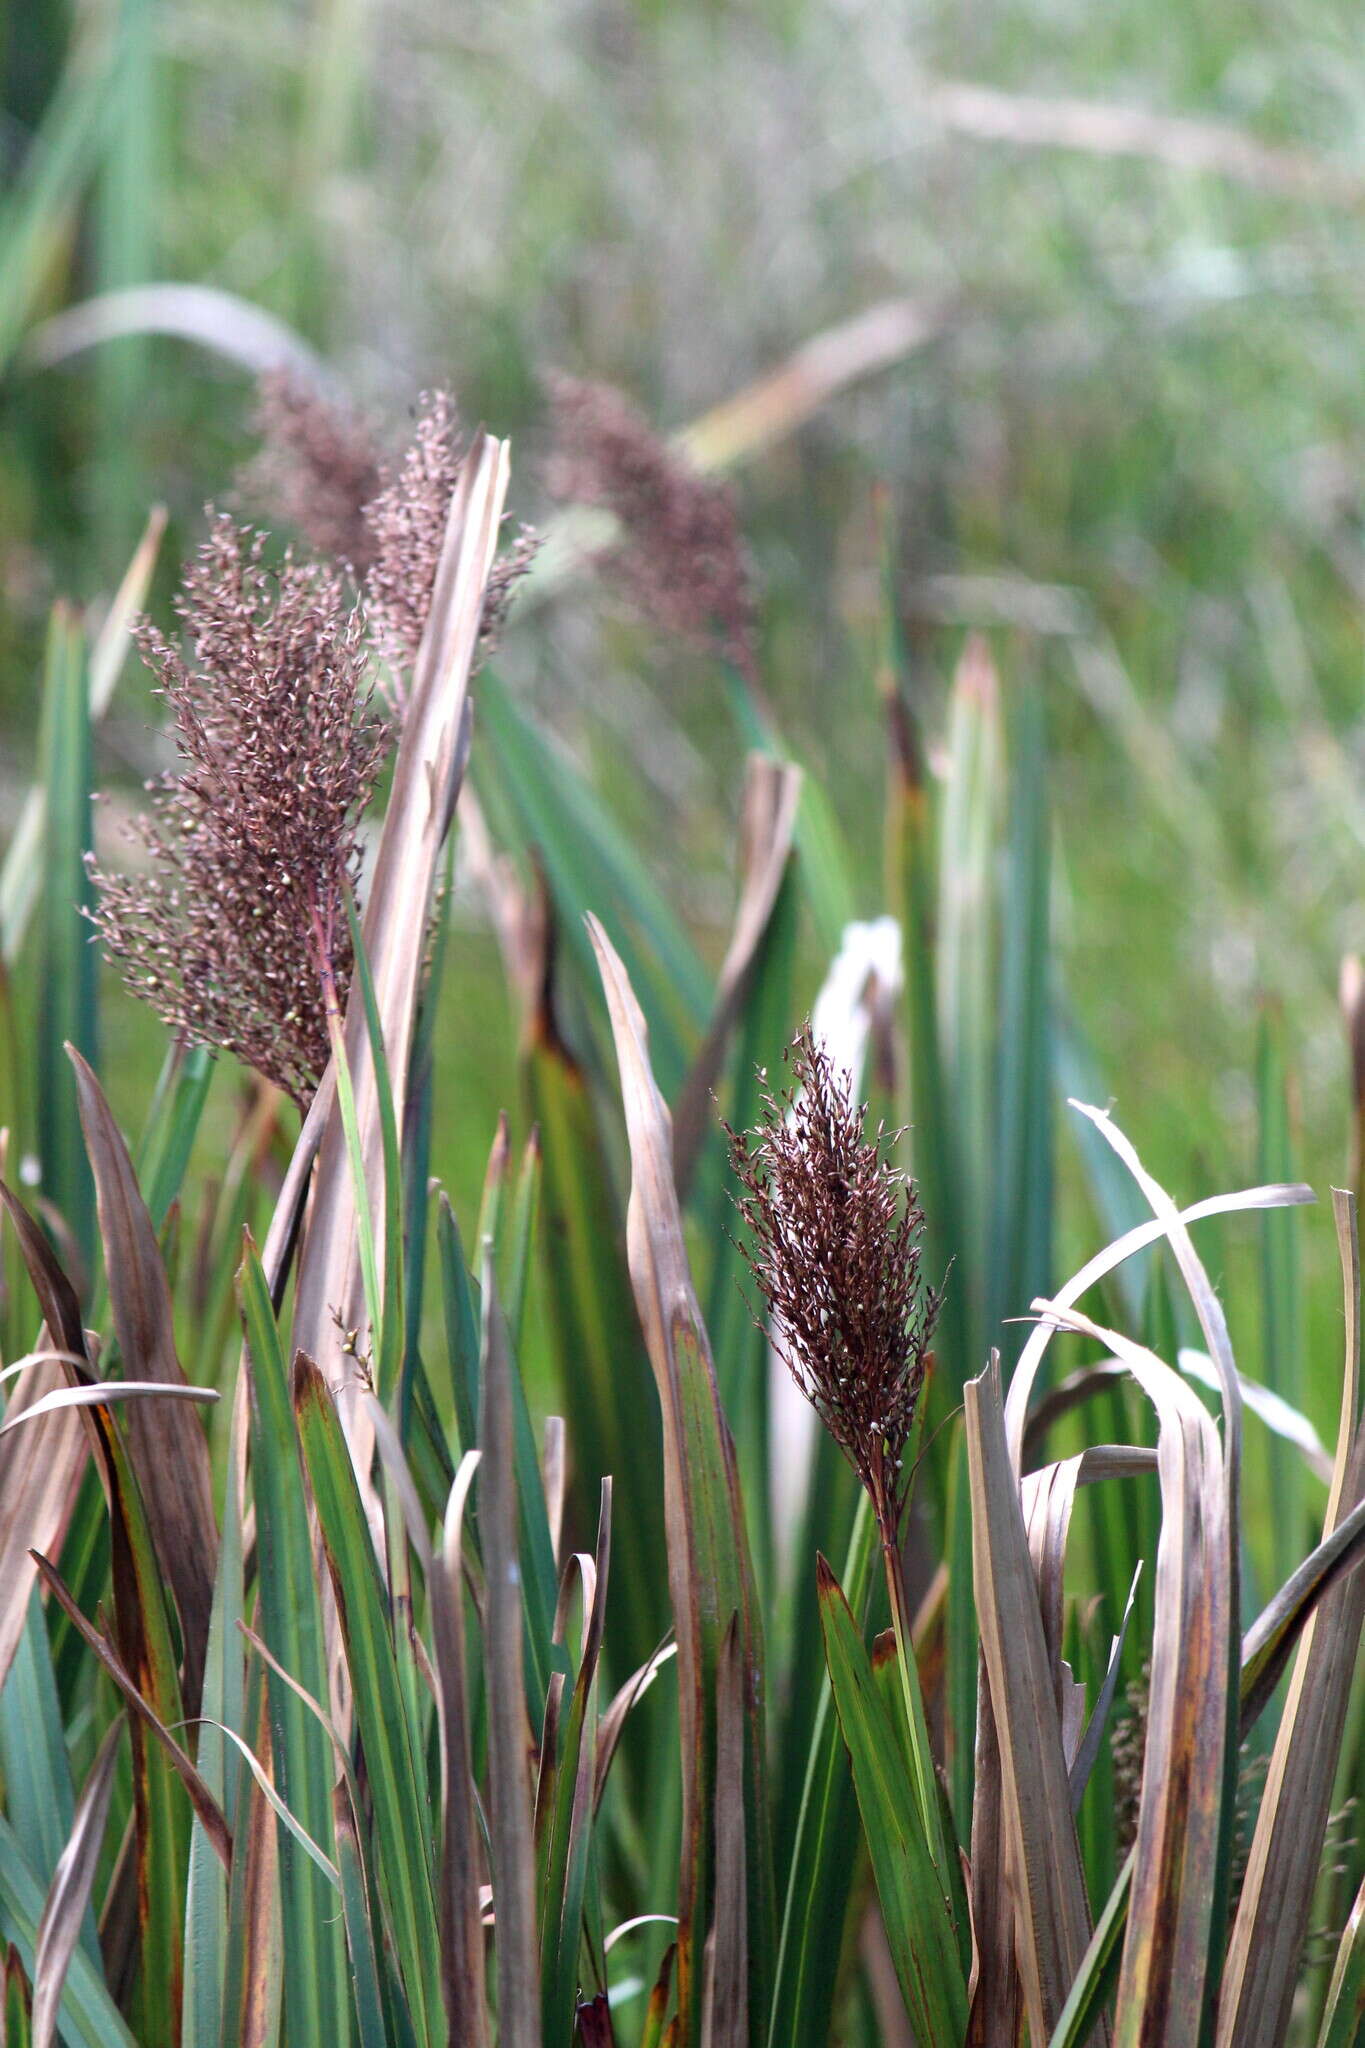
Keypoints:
pixel 416 1635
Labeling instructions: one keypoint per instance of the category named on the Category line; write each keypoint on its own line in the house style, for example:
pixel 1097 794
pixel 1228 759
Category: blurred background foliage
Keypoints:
pixel 1126 443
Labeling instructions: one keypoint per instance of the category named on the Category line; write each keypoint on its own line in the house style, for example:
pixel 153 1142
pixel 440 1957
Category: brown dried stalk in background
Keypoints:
pixel 317 468
pixel 679 560
pixel 252 838
pixel 835 1247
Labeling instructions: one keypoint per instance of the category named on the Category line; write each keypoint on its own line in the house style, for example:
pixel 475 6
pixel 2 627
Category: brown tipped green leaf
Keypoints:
pixel 1284 1865
pixel 1168 1973
pixel 291 1620
pixel 729 1988
pixel 568 1832
pixel 205 1805
pixel 922 1938
pixel 1344 2013
pixel 605 1384
pixel 69 1896
pixel 509 1799
pixel 166 1441
pixel 399 1804
pixel 462 1957
pixel 146 1655
pixel 710 1576
pixel 1051 1912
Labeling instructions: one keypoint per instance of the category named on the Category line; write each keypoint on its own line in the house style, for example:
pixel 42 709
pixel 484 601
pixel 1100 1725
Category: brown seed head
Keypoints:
pixel 680 560
pixel 317 469
pixel 253 836
pixel 407 524
pixel 834 1244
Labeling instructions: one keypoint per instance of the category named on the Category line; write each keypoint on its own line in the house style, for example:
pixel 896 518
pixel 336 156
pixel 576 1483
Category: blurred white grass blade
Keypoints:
pixel 555 1475
pixel 1102 128
pixel 1269 1407
pixel 106 1390
pixel 40 1358
pixel 1346 1991
pixel 629 1926
pixel 863 985
pixel 1207 1306
pixel 783 399
pixel 200 313
pixel 1282 1194
pixel 109 649
pixel 69 1894
pixel 37 1495
pixel 22 870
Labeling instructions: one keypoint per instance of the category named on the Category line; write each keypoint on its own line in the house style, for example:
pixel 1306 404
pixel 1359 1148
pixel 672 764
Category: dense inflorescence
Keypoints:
pixel 679 559
pixel 406 525
pixel 319 472
pixel 834 1243
pixel 407 522
pixel 252 838
pixel 316 470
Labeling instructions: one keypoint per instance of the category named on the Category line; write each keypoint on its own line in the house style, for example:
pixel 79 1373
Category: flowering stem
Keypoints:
pixel 917 1727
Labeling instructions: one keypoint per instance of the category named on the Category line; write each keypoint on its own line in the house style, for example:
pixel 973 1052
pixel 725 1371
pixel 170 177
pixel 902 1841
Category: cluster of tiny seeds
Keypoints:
pixel 316 470
pixel 679 560
pixel 319 472
pixel 406 521
pixel 834 1243
pixel 251 840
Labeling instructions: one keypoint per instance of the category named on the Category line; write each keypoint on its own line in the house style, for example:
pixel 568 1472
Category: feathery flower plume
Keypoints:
pixel 835 1248
pixel 680 560
pixel 252 838
pixel 406 522
pixel 317 469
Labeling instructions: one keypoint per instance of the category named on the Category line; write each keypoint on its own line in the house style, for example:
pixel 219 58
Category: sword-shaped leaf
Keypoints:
pixel 710 1576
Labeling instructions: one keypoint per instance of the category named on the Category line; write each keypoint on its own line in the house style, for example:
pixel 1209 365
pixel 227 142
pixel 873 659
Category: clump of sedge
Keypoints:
pixel 834 1243
pixel 679 561
pixel 238 922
